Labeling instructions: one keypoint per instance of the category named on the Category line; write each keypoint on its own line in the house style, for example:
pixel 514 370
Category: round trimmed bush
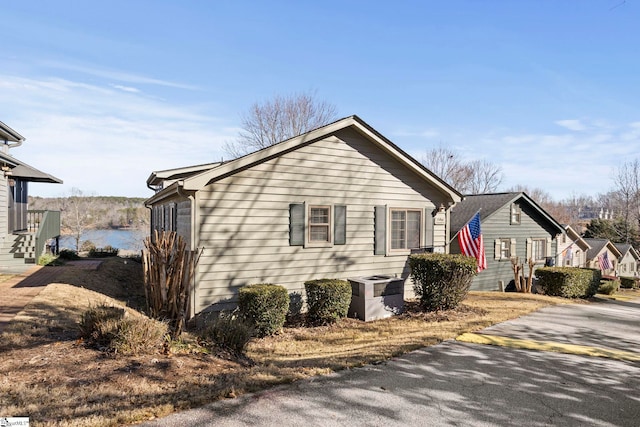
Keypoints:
pixel 264 306
pixel 441 281
pixel 327 300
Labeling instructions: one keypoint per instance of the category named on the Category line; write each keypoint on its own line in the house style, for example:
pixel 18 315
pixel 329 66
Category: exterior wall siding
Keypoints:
pixel 4 208
pixel 243 220
pixel 498 226
pixel 578 256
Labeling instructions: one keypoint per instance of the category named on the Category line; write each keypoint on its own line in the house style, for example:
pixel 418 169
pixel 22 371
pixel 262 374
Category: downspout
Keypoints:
pixel 6 145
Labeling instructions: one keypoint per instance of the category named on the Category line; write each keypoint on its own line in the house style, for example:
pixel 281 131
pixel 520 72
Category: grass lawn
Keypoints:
pixel 48 374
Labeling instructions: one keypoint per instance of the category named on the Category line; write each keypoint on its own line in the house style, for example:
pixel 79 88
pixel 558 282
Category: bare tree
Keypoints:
pixel 279 119
pixel 538 195
pixel 76 214
pixel 477 176
pixel 626 197
pixel 485 177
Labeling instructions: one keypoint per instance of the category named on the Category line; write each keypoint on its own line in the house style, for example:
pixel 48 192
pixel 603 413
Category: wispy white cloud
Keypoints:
pixel 563 163
pixel 429 133
pixel 106 140
pixel 126 88
pixel 575 125
pixel 110 74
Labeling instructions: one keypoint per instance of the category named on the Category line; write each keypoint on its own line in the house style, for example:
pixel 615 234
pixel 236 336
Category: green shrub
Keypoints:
pixel 264 306
pixel 47 259
pixel 107 251
pixel 441 281
pixel 111 329
pixel 229 330
pixel 628 282
pixel 327 300
pixel 568 282
pixel 68 254
pixel 609 287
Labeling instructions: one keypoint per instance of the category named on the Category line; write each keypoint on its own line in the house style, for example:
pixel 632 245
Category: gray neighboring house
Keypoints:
pixel 339 201
pixel 599 247
pixel 628 260
pixel 512 225
pixel 23 232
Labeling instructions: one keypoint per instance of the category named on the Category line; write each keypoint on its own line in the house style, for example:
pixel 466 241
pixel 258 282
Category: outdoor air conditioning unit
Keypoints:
pixel 376 297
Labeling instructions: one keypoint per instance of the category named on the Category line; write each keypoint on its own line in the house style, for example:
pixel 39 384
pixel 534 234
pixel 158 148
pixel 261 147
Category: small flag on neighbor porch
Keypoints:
pixel 567 254
pixel 471 243
pixel 603 262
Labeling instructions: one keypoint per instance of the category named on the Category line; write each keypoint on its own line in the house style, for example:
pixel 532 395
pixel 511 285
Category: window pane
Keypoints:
pixel 398 229
pixel 505 248
pixel 539 249
pixel 413 229
pixel 319 224
pixel 319 216
pixel 319 233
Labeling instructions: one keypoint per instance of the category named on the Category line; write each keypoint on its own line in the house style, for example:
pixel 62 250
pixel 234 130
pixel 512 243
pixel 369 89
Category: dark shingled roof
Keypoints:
pixel 596 246
pixel 623 248
pixel 487 205
pixel 27 173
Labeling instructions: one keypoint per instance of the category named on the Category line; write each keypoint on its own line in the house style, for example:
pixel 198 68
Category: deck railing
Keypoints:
pixel 45 225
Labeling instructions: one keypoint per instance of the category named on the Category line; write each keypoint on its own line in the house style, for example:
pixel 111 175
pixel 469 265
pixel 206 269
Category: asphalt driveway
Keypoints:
pixel 466 384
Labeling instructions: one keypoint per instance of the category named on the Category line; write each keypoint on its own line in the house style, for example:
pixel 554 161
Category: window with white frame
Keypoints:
pixel 405 228
pixel 516 214
pixel 539 249
pixel 505 249
pixel 319 224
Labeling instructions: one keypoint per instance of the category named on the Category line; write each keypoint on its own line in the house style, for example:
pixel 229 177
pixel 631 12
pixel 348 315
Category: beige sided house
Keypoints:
pixel 572 249
pixel 339 201
pixel 628 260
pixel 600 248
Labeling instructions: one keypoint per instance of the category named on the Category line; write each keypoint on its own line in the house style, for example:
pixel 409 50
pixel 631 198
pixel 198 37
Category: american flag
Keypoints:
pixel 471 243
pixel 603 262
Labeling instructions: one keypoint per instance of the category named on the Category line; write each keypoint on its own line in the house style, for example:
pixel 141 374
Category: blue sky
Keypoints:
pixel 107 92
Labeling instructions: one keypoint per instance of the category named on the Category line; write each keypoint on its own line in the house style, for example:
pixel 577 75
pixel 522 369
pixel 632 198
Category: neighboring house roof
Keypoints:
pixel 488 204
pixel 598 245
pixel 8 134
pixel 200 180
pixel 158 177
pixel 626 247
pixel 21 170
pixel 576 238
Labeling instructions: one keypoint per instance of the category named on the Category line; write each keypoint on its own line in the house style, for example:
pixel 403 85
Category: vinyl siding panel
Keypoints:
pixel 243 219
pixel 4 210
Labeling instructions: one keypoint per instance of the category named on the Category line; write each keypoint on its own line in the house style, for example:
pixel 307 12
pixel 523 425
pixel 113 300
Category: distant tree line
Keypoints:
pixel 80 212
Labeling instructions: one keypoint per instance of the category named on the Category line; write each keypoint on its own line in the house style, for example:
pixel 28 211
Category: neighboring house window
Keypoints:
pixel 539 249
pixel 504 249
pixel 516 214
pixel 319 224
pixel 623 267
pixel 405 228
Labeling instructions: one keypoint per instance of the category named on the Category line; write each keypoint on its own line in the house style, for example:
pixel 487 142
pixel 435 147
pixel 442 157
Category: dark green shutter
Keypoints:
pixel 296 224
pixel 339 225
pixel 380 232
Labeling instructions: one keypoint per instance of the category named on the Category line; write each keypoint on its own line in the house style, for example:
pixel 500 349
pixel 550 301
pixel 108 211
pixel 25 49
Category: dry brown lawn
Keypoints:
pixel 50 375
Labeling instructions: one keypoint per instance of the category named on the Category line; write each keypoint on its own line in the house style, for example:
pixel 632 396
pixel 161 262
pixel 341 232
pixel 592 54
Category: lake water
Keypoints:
pixel 131 240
